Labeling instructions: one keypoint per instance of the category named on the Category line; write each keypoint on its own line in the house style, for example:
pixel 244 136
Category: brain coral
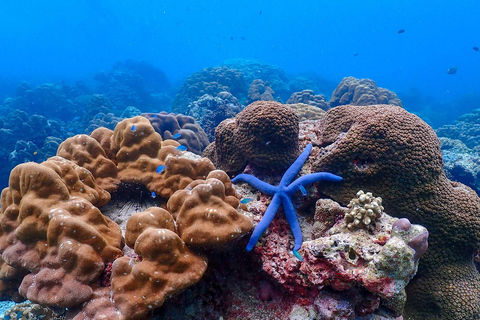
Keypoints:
pixel 395 154
pixel 260 90
pixel 265 133
pixel 168 124
pixel 361 92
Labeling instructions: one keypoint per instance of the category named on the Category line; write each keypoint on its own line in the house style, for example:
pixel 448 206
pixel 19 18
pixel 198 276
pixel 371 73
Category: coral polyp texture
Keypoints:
pixel 309 97
pixel 265 134
pixel 386 150
pixel 362 92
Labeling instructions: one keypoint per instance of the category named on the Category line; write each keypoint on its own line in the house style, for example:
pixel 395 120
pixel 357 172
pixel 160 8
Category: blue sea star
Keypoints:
pixel 282 196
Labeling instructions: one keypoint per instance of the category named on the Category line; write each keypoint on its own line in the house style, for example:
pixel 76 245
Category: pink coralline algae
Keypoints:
pixel 372 265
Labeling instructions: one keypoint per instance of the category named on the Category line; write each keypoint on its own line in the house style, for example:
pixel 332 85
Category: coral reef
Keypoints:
pixel 169 124
pixel 135 83
pixel 165 267
pixel 361 92
pixel 364 211
pixel 209 111
pixel 265 133
pixel 309 97
pixel 461 163
pixel 210 81
pixel 466 129
pixel 395 154
pixel 206 212
pixel 260 90
pixel 307 112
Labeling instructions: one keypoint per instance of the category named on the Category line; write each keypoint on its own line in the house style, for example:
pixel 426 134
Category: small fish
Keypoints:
pixel 401 31
pixel 35 153
pixel 155 116
pixel 268 142
pixel 78 118
pixel 181 148
pixel 176 135
pixel 260 12
pixel 452 70
pixel 160 169
pixel 355 54
pixel 246 200
pixel 134 128
pixel 154 195
pixel 298 255
pixel 7 317
pixel 476 49
pixel 19 314
pixel 231 38
pixel 243 38
pixel 304 191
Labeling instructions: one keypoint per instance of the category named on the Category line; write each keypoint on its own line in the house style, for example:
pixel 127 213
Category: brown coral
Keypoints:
pixel 89 154
pixel 167 267
pixel 206 211
pixel 307 112
pixel 265 133
pixel 260 90
pixel 394 153
pixel 51 228
pixel 309 97
pixel 362 92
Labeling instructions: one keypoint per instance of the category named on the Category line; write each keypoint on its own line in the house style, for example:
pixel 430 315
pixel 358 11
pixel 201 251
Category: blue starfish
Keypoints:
pixel 282 196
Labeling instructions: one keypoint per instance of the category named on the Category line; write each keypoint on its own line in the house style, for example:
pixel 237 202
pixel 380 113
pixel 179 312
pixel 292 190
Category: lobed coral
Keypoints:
pixel 361 92
pixel 206 211
pixel 168 124
pixel 260 90
pixel 309 97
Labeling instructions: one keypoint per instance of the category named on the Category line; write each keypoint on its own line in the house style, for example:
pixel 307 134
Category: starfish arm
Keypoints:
pixel 256 183
pixel 265 222
pixel 295 168
pixel 291 216
pixel 311 178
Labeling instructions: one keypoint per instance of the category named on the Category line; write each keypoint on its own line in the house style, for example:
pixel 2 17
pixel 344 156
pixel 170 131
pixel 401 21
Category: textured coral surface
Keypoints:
pixel 386 150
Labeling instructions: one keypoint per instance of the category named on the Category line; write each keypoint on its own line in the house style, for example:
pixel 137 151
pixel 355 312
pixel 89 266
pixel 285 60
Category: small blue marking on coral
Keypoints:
pixel 155 116
pixel 154 195
pixel 298 255
pixel 176 136
pixel 19 314
pixel 282 196
pixel 181 148
pixel 134 128
pixel 246 200
pixel 160 169
pixel 304 191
